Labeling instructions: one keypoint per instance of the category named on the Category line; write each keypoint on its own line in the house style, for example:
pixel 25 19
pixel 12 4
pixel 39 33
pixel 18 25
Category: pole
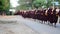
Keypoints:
pixel 53 3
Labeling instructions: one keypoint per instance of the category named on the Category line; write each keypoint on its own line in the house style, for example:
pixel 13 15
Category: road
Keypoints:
pixel 27 26
pixel 14 27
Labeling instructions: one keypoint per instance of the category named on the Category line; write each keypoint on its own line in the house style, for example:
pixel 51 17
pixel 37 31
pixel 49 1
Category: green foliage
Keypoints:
pixel 35 3
pixel 49 3
pixel 4 5
pixel 39 3
pixel 24 5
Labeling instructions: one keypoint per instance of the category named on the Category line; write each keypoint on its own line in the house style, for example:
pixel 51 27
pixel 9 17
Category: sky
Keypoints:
pixel 14 3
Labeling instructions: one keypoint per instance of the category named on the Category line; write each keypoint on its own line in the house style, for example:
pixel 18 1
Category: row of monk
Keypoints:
pixel 50 15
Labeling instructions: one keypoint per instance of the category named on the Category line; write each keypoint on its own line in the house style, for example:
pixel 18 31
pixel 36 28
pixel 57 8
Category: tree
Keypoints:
pixel 24 5
pixel 4 5
pixel 34 4
pixel 58 3
pixel 39 3
pixel 49 3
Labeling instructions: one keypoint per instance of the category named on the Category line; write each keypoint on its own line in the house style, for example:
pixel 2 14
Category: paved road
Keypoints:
pixel 41 28
pixel 14 28
pixel 28 26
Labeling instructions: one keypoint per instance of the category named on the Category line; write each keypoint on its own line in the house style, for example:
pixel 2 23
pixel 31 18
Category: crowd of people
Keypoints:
pixel 50 15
